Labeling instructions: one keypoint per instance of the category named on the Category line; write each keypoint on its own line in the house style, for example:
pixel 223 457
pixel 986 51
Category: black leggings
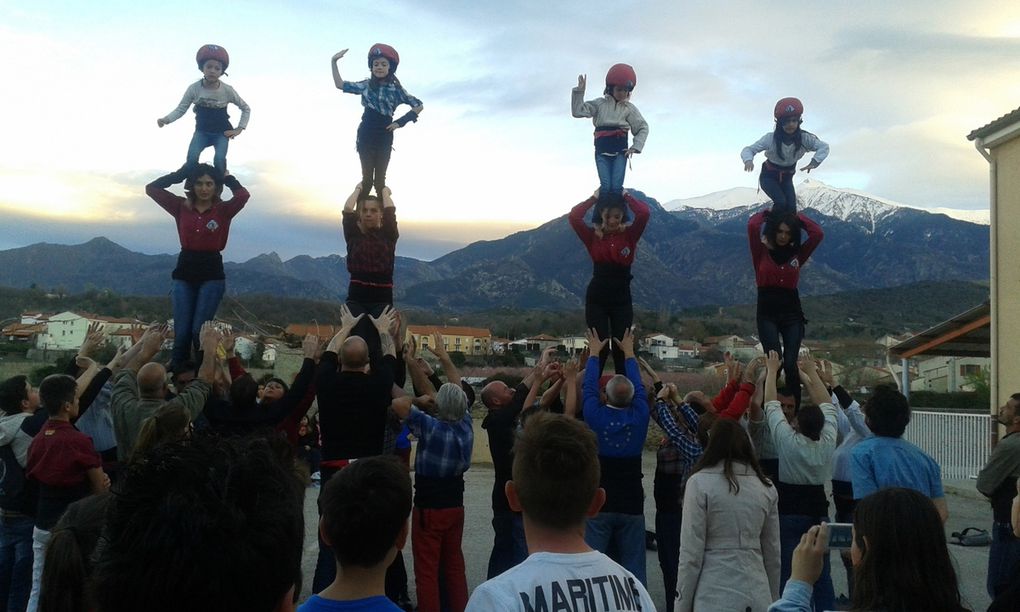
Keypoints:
pixel 789 327
pixel 777 183
pixel 374 162
pixel 608 308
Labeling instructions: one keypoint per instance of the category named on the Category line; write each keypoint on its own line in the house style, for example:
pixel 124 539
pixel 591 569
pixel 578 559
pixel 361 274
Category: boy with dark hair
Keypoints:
pixel 887 460
pixel 64 463
pixel 210 524
pixel 364 510
pixel 556 487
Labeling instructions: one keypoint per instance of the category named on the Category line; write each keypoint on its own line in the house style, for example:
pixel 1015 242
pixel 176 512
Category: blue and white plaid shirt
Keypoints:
pixel 444 448
pixel 383 99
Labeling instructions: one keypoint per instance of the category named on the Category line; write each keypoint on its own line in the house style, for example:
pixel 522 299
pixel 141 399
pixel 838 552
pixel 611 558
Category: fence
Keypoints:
pixel 958 442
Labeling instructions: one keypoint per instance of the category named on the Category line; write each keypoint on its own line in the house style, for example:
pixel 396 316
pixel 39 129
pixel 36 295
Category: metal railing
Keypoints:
pixel 958 442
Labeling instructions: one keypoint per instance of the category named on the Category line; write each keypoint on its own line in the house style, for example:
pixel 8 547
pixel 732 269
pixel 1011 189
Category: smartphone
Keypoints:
pixel 841 536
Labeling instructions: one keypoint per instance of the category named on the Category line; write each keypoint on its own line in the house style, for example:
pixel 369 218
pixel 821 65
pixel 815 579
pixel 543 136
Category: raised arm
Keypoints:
pixel 382 325
pixel 576 219
pixel 339 82
pixel 754 236
pixel 641 215
pixel 438 349
pixel 190 95
pixel 570 403
pixel 239 196
pixel 578 107
pixel 157 190
pixel 815 236
pixel 209 338
pixel 420 381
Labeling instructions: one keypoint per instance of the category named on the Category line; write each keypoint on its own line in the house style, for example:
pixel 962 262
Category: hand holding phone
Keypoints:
pixel 841 536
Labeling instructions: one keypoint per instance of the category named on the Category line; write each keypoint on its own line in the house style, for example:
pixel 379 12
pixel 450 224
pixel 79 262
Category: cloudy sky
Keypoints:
pixel 894 88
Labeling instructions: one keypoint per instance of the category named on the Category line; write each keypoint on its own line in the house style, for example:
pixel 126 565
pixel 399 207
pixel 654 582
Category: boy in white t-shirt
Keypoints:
pixel 556 487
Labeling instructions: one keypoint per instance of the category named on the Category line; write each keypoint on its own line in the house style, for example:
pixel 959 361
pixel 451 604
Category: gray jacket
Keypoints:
pixel 789 154
pixel 606 111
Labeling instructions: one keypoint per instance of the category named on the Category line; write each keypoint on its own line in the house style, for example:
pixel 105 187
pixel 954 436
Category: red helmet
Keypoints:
pixel 380 50
pixel 212 52
pixel 621 75
pixel 789 107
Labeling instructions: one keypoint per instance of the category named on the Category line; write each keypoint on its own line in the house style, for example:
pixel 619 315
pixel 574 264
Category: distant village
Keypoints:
pixel 49 335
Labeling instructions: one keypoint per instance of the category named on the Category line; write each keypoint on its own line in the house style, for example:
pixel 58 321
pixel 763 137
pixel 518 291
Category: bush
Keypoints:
pixel 964 400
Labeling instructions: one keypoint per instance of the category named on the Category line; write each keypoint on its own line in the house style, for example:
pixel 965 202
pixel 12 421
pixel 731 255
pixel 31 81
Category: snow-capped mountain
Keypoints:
pixel 846 204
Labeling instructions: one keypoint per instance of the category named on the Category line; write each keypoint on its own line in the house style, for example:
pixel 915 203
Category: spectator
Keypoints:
pixel 678 452
pixel 998 481
pixel 901 561
pixel 729 541
pixel 444 454
pixel 21 420
pixel 556 485
pixel 65 465
pixel 169 424
pixel 211 524
pixel 140 388
pixel 887 460
pixel 504 406
pixel 66 580
pixel 364 521
pixel 732 401
pixel 621 425
pixel 354 402
pixel 805 465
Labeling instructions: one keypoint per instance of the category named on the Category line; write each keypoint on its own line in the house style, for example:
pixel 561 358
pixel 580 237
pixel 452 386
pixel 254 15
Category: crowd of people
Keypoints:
pixel 172 484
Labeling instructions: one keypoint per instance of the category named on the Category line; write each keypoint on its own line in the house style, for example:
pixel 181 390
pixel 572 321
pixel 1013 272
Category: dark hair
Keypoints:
pixel 364 507
pixel 887 411
pixel 780 137
pixel 280 382
pixel 197 172
pixel 705 421
pixel 556 470
pixel 68 568
pixel 244 392
pixel 210 524
pixel 905 564
pixel 810 421
pixel 772 224
pixel 183 367
pixel 165 426
pixel 13 391
pixel 55 391
pixel 728 442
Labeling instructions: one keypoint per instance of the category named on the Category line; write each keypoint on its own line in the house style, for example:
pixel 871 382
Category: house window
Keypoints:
pixel 970 370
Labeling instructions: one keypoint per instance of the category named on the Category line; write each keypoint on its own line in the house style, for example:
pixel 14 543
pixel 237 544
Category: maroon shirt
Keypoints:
pixel 786 275
pixel 616 248
pixel 205 231
pixel 59 459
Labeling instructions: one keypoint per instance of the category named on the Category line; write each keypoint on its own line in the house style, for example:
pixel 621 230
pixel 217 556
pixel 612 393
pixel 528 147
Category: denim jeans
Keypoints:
pixel 622 537
pixel 203 140
pixel 508 544
pixel 611 169
pixel 1003 559
pixel 791 329
pixel 15 562
pixel 778 186
pixel 791 528
pixel 193 304
pixel 40 540
pixel 667 537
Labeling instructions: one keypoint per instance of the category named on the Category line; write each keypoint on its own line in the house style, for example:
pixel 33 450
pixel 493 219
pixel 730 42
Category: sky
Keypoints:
pixel 894 88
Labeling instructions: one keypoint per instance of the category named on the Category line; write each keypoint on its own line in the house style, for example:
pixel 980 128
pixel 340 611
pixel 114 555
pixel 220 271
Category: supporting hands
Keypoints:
pixel 310 346
pixel 772 370
pixel 347 323
pixel 732 367
pixel 94 337
pixel 384 320
pixel 595 344
pixel 825 373
pixel 811 379
pixel 626 344
pixel 753 370
pixel 210 337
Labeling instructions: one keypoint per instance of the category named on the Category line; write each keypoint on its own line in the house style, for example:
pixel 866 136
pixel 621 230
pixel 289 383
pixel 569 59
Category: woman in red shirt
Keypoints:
pixel 203 225
pixel 778 255
pixel 607 304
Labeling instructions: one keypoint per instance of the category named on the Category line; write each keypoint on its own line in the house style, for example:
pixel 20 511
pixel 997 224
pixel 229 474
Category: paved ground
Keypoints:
pixel 967 508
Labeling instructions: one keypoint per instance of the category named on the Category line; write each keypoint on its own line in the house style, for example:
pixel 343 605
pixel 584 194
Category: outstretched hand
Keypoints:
pixel 347 319
pixel 626 344
pixel 383 321
pixel 772 363
pixel 595 344
pixel 93 338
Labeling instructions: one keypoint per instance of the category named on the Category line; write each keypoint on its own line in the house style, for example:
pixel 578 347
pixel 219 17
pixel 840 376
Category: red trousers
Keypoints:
pixel 436 542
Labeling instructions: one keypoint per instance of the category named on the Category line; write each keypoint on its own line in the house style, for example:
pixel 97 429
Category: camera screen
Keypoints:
pixel 840 536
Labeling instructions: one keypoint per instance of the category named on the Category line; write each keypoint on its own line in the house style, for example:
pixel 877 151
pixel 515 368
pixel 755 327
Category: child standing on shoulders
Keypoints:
pixel 380 95
pixel 210 96
pixel 783 147
pixel 613 116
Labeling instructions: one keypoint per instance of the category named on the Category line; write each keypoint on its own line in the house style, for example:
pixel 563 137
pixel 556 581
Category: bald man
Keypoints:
pixel 141 387
pixel 354 397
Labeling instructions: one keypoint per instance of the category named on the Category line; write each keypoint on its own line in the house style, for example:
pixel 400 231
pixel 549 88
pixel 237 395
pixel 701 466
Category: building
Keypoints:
pixel 467 340
pixel 574 345
pixel 999 143
pixel 688 348
pixel 659 346
pixel 66 330
pixel 949 374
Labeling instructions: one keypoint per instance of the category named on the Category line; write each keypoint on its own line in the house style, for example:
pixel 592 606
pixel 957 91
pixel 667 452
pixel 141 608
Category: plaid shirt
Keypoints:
pixel 680 449
pixel 444 448
pixel 383 99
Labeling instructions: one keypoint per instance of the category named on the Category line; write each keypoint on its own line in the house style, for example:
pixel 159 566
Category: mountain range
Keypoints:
pixel 694 255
